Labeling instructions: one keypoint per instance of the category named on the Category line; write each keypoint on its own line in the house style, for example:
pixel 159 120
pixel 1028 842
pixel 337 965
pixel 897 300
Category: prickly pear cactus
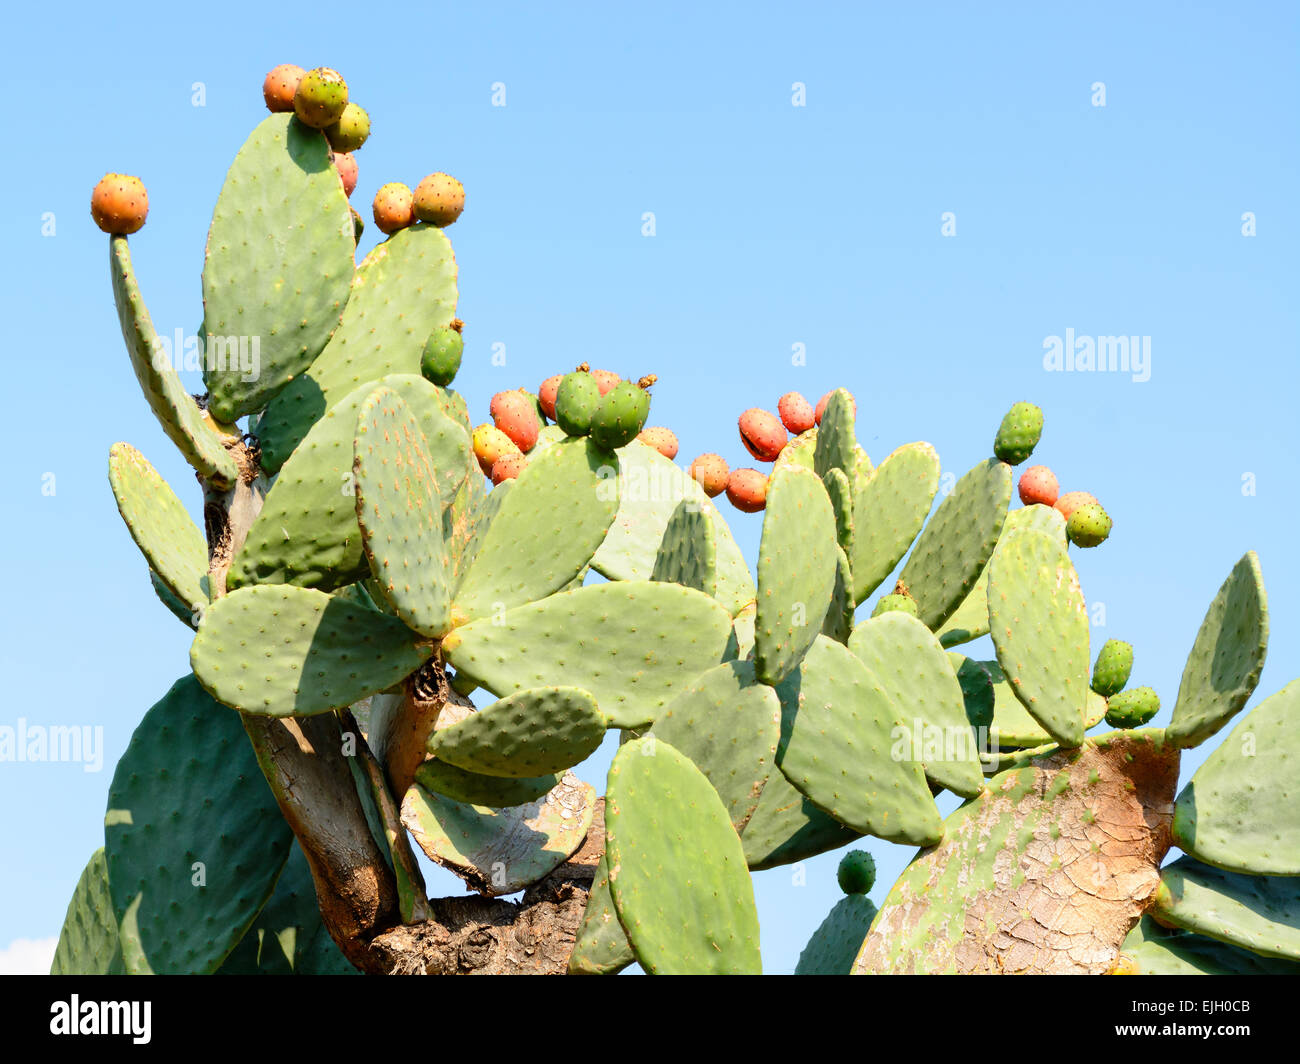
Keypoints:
pixel 358 579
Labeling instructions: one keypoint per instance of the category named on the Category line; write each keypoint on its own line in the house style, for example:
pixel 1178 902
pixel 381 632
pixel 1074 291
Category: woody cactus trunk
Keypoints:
pixel 355 581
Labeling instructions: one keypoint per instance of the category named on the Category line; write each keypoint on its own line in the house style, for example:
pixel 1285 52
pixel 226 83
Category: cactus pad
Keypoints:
pixel 796 571
pixel 500 851
pixel 1039 626
pixel 1153 950
pixel 601 946
pixel 282 206
pixel 474 788
pixel 285 651
pixel 400 513
pixel 729 725
pixel 1238 811
pixel 88 943
pixel 677 872
pixel 907 660
pixel 835 944
pixel 838 624
pixel 839 729
pixel 889 509
pixel 958 541
pixel 688 554
pixel 1226 659
pixel 840 490
pixel 836 447
pixel 530 733
pixel 787 827
pixel 1258 913
pixel 544 532
pixel 634 645
pixel 193 837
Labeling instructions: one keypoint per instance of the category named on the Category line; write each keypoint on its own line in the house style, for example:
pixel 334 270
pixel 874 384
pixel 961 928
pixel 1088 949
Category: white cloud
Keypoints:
pixel 28 956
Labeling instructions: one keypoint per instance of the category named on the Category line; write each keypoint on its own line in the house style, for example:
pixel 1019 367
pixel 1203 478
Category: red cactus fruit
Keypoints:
pixel 710 471
pixel 661 439
pixel 490 443
pixel 796 413
pixel 280 85
pixel 605 380
pixel 821 406
pixel 507 467
pixel 515 414
pixel 762 434
pixel 119 204
pixel 1072 500
pixel 392 207
pixel 439 199
pixel 1038 485
pixel 747 490
pixel 547 392
pixel 346 164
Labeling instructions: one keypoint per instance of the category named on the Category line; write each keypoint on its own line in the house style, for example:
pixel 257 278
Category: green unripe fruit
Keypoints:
pixel 442 353
pixel 1019 433
pixel 350 131
pixel 321 98
pixel 895 602
pixel 1132 709
pixel 621 415
pixel 857 872
pixel 1088 526
pixel 1113 668
pixel 576 403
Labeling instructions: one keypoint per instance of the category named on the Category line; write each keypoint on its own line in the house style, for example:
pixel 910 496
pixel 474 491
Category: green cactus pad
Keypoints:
pixel 1226 659
pixel 839 730
pixel 307 533
pixel 836 447
pixel 729 725
pixel 976 691
pixel 174 408
pixel 530 733
pixel 1039 626
pixel 544 532
pixel 840 490
pixel 182 611
pixel 284 651
pixel 838 624
pixel 500 851
pixel 1238 811
pixel 971 619
pixel 677 871
pixel 465 531
pixel 193 837
pixel 474 788
pixel 650 489
pixel 634 645
pixel 688 554
pixel 951 553
pixel 88 943
pixel 787 827
pixel 1258 913
pixel 279 263
pixel 888 512
pixel 907 660
pixel 158 522
pixel 1151 949
pixel 405 288
pixel 288 937
pixel 1013 727
pixel 400 513
pixel 601 946
pixel 835 943
pixel 796 571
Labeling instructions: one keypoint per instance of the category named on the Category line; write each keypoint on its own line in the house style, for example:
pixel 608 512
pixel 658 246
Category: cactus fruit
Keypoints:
pixel 1113 667
pixel 507 467
pixel 393 207
pixel 895 603
pixel 439 199
pixel 747 490
pixel 1038 485
pixel 346 164
pixel 490 443
pixel 762 434
pixel 547 393
pixel 1071 501
pixel 821 405
pixel 605 380
pixel 1019 433
pixel 711 472
pixel 621 415
pixel 119 204
pixel 321 98
pixel 576 401
pixel 1132 708
pixel 856 873
pixel 280 86
pixel 796 412
pixel 350 131
pixel 515 414
pixel 661 439
pixel 1088 526
pixel 442 354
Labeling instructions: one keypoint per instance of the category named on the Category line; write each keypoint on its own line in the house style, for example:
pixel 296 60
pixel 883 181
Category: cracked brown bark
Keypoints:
pixel 304 762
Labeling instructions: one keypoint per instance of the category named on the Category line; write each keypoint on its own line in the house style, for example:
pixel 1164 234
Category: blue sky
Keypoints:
pixel 775 226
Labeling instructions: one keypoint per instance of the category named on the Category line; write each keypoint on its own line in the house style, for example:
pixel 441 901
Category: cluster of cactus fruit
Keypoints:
pixel 359 575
